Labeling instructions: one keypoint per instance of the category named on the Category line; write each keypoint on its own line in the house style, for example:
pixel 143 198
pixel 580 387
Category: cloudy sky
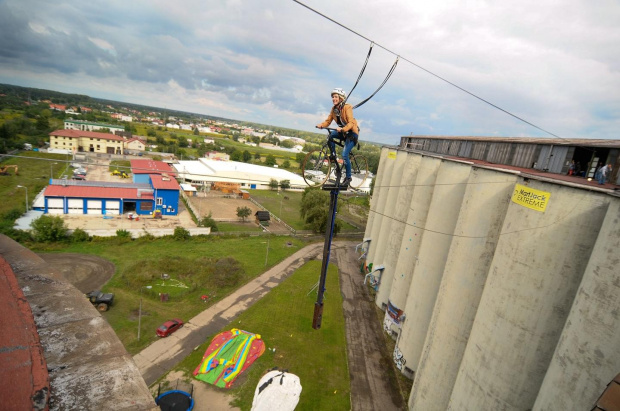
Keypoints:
pixel 554 64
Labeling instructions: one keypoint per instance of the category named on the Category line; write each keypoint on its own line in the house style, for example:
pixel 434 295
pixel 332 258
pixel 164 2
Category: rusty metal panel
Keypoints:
pixel 525 155
pixel 479 150
pixel 498 153
pixel 465 149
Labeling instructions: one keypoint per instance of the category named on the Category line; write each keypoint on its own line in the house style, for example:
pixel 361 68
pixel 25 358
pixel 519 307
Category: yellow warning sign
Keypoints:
pixel 530 197
pixel 392 155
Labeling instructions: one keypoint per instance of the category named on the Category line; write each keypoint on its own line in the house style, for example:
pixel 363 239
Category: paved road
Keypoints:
pixel 369 373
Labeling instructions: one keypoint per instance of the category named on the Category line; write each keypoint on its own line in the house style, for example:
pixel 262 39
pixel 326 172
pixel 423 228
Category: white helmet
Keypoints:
pixel 339 92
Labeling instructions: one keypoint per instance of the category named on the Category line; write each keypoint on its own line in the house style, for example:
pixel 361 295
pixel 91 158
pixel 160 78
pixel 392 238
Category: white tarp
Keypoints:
pixel 277 391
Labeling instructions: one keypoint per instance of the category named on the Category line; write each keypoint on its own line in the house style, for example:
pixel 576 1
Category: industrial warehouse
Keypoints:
pixel 495 302
pixel 154 188
pixel 205 172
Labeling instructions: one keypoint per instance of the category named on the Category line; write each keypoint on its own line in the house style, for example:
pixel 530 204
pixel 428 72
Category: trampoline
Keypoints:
pixel 176 399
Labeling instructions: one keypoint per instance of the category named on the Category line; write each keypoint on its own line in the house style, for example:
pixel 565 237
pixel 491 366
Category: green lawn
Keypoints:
pixel 34 173
pixel 283 318
pixel 288 209
pixel 189 264
pixel 285 209
pixel 248 226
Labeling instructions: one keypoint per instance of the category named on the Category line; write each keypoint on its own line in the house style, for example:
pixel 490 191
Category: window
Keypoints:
pixel 146 206
pixel 160 201
pixel 98 147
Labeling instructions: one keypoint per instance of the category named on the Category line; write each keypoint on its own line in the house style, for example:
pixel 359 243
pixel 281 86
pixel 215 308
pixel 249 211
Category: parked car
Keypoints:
pixel 169 327
pixel 78 177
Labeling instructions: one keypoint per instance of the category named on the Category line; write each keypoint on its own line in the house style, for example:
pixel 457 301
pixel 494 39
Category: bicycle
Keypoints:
pixel 320 166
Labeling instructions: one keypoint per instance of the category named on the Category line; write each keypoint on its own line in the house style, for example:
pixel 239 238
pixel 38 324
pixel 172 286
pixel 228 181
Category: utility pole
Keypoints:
pixel 140 309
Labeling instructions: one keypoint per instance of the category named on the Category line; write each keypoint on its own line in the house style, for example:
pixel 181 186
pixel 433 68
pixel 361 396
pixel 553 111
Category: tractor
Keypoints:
pixel 100 300
pixel 157 214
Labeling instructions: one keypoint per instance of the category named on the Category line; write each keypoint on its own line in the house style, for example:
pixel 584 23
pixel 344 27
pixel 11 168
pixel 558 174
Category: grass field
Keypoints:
pixel 288 209
pixel 188 263
pixel 283 318
pixel 34 171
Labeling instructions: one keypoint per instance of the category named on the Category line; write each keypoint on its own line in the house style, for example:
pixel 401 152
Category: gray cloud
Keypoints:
pixel 554 65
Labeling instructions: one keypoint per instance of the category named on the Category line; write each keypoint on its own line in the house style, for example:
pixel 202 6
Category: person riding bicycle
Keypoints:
pixel 347 130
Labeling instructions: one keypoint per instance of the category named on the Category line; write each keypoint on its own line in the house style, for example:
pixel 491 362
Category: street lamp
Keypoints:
pixel 267 253
pixel 26 196
pixel 52 170
pixel 140 309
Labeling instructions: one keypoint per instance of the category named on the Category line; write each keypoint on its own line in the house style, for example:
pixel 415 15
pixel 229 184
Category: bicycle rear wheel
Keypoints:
pixel 316 167
pixel 359 170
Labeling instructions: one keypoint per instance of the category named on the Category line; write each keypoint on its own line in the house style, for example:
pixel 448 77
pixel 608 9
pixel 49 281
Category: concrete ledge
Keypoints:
pixel 88 366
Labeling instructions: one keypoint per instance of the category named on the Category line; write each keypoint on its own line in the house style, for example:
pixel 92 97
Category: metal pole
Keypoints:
pixel 267 254
pixel 140 309
pixel 26 198
pixel 139 314
pixel 329 234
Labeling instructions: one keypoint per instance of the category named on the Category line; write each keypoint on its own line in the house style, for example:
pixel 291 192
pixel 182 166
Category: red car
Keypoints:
pixel 169 327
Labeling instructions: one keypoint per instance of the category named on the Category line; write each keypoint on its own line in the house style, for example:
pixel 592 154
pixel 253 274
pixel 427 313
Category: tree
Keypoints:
pixel 243 212
pixel 273 184
pixel 208 221
pixel 257 156
pixel 181 233
pixel 286 164
pixel 299 157
pixel 49 228
pixel 246 156
pixel 236 155
pixel 285 184
pixel 270 160
pixel 315 209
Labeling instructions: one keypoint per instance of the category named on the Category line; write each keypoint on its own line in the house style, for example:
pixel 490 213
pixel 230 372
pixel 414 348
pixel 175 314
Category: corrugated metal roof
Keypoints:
pixel 527 140
pixel 108 184
pixel 164 183
pixel 96 192
pixel 151 167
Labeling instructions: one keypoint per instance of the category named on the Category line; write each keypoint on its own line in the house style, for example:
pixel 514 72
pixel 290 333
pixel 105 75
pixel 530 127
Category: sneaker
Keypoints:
pixel 346 181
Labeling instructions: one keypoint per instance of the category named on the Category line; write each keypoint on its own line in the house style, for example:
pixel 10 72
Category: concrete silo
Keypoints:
pixel 397 203
pixel 417 211
pixel 438 233
pixel 538 265
pixel 587 356
pixel 476 234
pixel 379 198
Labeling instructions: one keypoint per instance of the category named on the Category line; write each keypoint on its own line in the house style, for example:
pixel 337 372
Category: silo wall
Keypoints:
pixel 394 215
pixel 380 191
pixel 587 356
pixel 412 236
pixel 476 234
pixel 438 233
pixel 538 265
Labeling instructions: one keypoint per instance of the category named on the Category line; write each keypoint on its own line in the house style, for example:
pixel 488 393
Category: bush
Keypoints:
pixel 181 233
pixel 48 229
pixel 79 236
pixel 123 234
pixel 208 221
pixel 228 272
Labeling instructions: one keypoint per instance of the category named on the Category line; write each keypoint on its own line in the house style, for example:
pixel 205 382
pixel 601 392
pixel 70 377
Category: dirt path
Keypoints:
pixel 85 272
pixel 366 349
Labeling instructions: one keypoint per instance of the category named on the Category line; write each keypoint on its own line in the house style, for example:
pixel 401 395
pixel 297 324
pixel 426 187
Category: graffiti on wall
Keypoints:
pixel 399 360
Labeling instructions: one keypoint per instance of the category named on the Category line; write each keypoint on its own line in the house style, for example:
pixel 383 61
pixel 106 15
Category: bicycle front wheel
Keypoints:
pixel 359 170
pixel 316 167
